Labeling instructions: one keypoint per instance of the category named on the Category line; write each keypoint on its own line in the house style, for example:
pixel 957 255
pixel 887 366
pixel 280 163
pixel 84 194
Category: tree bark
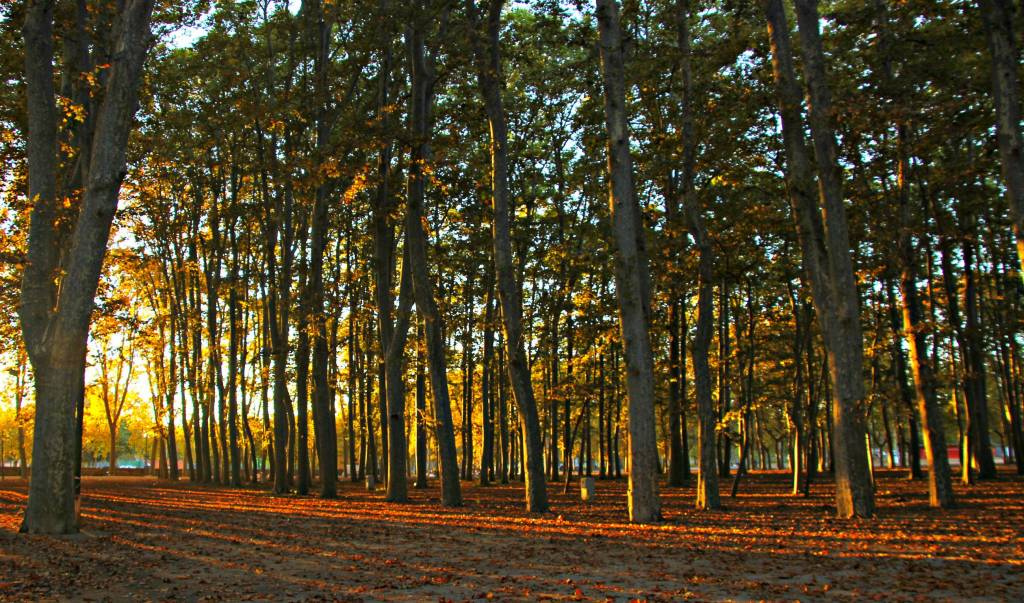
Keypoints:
pixel 631 274
pixel 423 80
pixel 55 323
pixel 486 390
pixel 826 247
pixel 998 16
pixel 323 409
pixel 491 83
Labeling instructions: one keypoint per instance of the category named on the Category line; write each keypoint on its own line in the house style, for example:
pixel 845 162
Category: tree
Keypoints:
pixel 631 274
pixel 424 78
pixel 826 247
pixel 998 15
pixel 491 82
pixel 55 321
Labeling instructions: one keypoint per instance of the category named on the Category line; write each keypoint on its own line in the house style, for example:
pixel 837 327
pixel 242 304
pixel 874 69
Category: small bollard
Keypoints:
pixel 371 482
pixel 587 489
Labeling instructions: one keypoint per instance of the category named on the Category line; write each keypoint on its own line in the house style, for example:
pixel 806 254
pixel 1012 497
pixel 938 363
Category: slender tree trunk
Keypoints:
pixel 279 338
pixel 940 487
pixel 724 381
pixel 302 353
pixel 503 418
pixel 977 405
pixel 352 365
pixel 421 410
pixel 900 373
pixel 998 16
pixel 486 392
pixel 491 82
pixel 423 80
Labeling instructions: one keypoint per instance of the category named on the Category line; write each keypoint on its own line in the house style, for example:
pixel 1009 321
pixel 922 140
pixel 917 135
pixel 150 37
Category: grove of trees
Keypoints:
pixel 398 241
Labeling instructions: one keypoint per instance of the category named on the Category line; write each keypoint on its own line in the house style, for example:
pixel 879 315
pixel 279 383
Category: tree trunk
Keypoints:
pixel 398 452
pixel 486 391
pixel 491 82
pixel 55 322
pixel 825 246
pixel 353 403
pixel 423 80
pixel 302 353
pixel 279 338
pixel 998 15
pixel 977 405
pixel 421 410
pixel 503 419
pixel 940 487
pixel 631 274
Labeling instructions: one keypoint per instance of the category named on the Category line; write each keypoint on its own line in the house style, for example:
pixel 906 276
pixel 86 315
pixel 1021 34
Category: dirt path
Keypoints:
pixel 148 540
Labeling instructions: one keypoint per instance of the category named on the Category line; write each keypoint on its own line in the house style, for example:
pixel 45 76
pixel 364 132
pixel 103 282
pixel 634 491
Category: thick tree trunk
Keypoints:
pixel 56 338
pixel 825 246
pixel 998 15
pixel 632 281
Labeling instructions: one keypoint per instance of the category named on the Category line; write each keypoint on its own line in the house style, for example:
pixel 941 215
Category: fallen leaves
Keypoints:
pixel 151 540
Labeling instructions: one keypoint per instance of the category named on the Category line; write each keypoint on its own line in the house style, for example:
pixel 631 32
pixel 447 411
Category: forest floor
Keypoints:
pixel 148 540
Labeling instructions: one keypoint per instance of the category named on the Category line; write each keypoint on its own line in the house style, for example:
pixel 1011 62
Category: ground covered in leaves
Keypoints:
pixel 149 540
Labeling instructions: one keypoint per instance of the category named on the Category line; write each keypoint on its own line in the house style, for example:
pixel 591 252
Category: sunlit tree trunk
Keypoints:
pixel 914 326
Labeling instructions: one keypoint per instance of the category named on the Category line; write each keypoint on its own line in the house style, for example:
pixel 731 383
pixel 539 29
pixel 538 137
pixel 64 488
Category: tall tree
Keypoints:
pixel 491 82
pixel 55 320
pixel 632 280
pixel 424 79
pixel 1002 44
pixel 826 246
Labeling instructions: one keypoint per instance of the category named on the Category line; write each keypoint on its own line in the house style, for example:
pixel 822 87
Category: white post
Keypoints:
pixel 587 490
